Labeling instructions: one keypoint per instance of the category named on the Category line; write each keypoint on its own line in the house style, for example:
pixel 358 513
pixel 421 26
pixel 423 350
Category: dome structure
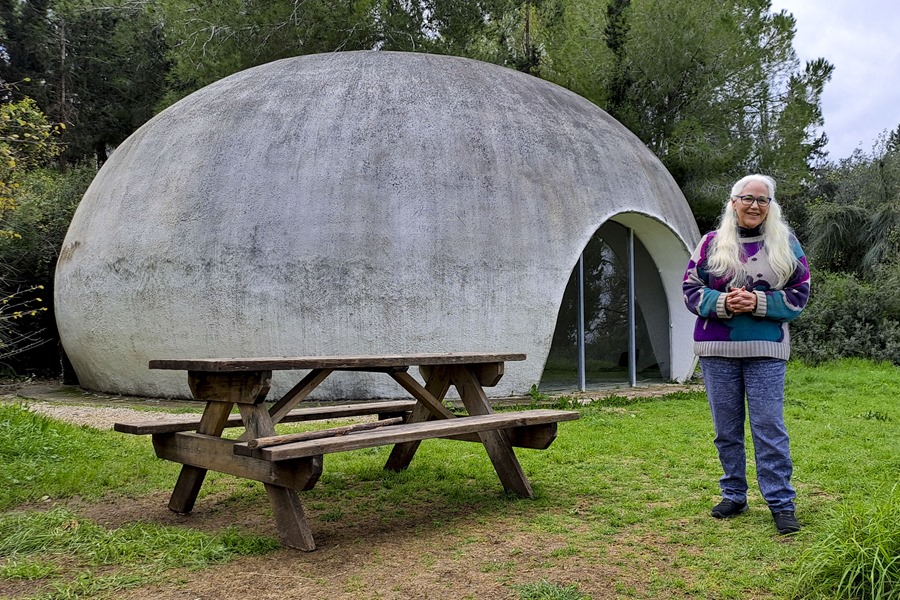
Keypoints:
pixel 360 203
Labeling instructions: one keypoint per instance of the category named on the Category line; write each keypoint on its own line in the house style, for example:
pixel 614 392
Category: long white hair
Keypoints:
pixel 725 254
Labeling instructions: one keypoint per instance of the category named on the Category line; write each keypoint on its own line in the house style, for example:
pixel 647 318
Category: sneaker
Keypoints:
pixel 786 522
pixel 728 508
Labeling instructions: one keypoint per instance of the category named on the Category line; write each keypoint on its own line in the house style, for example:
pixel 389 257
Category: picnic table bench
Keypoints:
pixel 288 463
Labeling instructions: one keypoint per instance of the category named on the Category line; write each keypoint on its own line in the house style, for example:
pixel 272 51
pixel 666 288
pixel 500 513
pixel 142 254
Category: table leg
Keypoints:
pixel 495 442
pixel 191 478
pixel 437 382
pixel 286 506
pixel 220 391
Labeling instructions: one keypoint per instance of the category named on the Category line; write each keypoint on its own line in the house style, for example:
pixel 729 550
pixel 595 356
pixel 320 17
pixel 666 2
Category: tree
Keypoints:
pixel 855 216
pixel 213 40
pixel 713 88
pixel 98 66
pixel 26 142
pixel 210 40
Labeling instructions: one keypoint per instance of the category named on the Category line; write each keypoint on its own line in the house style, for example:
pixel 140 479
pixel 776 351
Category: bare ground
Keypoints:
pixel 465 558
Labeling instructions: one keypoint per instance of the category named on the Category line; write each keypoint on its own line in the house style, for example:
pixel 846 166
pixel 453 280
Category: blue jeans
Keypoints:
pixel 727 382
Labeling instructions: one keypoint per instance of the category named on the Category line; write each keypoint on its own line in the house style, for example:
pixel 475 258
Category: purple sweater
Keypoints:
pixel 762 333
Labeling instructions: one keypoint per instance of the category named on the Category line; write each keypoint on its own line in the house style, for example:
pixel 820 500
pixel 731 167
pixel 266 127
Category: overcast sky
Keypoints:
pixel 861 38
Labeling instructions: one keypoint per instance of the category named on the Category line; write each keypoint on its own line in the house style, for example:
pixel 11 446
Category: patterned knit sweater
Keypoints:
pixel 762 333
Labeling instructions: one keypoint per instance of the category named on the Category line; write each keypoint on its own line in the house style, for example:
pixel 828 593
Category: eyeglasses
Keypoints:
pixel 749 200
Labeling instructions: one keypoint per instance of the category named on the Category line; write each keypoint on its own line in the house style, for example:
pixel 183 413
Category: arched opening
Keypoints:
pixel 611 337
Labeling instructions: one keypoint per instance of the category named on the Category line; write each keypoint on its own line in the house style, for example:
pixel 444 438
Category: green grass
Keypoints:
pixel 629 485
pixel 859 557
pixel 44 458
pixel 544 590
pixel 140 553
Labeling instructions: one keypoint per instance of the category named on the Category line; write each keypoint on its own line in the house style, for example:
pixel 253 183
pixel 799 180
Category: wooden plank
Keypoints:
pixel 292 525
pixel 421 394
pixel 408 432
pixel 288 438
pixel 240 388
pixel 191 478
pixel 534 437
pixel 173 423
pixel 297 393
pixel 330 362
pixel 214 453
pixel 495 442
pixel 437 383
pixel 489 374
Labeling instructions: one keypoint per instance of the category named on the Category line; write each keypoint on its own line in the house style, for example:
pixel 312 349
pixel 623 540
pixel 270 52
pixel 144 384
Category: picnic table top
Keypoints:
pixel 288 363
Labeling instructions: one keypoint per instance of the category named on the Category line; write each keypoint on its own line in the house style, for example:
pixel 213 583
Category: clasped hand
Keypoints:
pixel 739 300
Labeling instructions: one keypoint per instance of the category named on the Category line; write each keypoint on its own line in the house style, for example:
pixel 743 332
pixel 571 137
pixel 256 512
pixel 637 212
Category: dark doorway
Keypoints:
pixel 605 322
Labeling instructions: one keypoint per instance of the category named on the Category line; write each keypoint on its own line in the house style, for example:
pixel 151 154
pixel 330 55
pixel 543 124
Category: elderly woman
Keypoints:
pixel 745 282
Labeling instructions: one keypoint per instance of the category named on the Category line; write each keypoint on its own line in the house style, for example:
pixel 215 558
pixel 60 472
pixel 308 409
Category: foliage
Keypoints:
pixel 46 201
pixel 847 317
pixel 212 40
pixel 19 305
pixel 26 142
pixel 852 237
pixel 714 89
pixel 858 555
pixel 854 222
pixel 97 66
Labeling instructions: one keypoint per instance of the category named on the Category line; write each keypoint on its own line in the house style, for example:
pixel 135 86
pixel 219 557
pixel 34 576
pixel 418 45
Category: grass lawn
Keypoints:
pixel 628 487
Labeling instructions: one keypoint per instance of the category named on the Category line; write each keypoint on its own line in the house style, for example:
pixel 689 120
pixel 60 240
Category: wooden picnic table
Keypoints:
pixel 287 463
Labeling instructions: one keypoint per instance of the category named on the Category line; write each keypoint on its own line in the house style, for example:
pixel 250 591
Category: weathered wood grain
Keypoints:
pixel 406 433
pixel 421 394
pixel 216 454
pixel 329 362
pixel 293 527
pixel 298 393
pixel 172 423
pixel 190 479
pixel 288 438
pixel 437 383
pixel 534 437
pixel 239 388
pixel 495 442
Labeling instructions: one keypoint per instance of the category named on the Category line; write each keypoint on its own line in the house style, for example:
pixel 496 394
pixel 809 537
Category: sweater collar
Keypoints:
pixel 748 232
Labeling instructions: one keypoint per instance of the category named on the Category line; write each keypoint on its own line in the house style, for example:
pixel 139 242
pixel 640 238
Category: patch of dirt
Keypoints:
pixel 462 557
pixel 466 556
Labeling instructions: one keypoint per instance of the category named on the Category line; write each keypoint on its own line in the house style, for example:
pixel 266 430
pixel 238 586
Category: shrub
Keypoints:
pixel 45 203
pixel 846 318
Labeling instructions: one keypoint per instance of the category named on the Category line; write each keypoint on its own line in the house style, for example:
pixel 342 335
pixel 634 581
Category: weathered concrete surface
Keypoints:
pixel 355 203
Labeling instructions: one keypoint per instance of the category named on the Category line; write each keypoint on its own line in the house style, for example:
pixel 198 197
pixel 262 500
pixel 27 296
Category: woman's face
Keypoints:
pixel 753 215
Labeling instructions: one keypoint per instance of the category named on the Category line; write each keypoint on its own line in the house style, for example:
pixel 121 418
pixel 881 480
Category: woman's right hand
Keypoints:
pixel 739 300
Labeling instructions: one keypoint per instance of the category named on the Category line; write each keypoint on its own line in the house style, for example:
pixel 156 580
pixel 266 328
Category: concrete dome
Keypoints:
pixel 358 203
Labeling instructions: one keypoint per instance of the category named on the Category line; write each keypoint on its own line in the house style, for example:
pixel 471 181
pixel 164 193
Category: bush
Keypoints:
pixel 46 202
pixel 847 318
